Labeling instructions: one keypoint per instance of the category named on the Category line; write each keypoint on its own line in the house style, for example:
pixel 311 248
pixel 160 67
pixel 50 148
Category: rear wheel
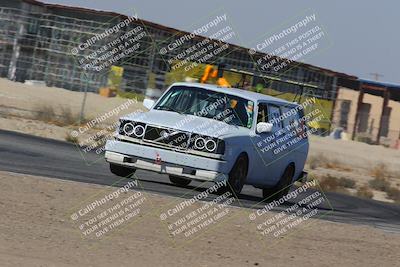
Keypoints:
pixel 121 170
pixel 237 176
pixel 283 186
pixel 179 180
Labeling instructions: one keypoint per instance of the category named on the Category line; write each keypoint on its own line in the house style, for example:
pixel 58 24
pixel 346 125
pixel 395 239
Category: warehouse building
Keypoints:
pixel 37 38
pixel 369 111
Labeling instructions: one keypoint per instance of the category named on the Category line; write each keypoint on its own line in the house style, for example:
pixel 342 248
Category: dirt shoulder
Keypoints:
pixel 36 231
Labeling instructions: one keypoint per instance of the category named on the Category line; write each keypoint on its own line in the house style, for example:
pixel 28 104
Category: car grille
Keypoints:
pixel 167 137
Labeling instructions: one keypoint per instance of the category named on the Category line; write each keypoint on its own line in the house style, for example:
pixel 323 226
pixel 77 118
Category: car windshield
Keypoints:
pixel 196 101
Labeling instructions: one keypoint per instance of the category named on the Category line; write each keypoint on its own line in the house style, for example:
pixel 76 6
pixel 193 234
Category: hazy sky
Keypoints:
pixel 364 34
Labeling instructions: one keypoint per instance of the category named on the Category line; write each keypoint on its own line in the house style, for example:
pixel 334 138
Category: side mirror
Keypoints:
pixel 264 127
pixel 148 103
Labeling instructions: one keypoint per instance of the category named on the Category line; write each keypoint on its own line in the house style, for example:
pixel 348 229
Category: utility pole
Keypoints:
pixel 376 75
pixel 12 69
pixel 82 116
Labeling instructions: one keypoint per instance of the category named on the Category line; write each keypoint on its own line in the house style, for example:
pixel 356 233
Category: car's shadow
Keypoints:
pixel 190 191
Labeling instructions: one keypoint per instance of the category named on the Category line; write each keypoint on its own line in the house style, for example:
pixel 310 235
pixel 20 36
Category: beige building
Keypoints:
pixel 369 111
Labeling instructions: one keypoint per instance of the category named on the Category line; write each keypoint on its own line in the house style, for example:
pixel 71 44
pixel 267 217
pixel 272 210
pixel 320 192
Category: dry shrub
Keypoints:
pixel 328 183
pixel 45 113
pixel 336 165
pixel 322 161
pixel 346 182
pixel 71 139
pixel 380 171
pixel 381 184
pixel 65 117
pixel 394 193
pixel 131 95
pixel 365 192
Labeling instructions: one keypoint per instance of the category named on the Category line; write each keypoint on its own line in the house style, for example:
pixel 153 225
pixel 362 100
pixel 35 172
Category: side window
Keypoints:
pixel 274 113
pixel 288 120
pixel 291 120
pixel 262 115
pixel 294 121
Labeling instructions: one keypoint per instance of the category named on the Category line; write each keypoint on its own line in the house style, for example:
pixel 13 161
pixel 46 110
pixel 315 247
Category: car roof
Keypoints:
pixel 236 92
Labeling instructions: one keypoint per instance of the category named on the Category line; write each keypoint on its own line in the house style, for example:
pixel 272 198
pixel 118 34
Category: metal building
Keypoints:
pixel 37 38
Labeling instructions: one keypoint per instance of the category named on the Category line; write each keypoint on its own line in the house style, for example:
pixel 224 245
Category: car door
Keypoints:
pixel 297 141
pixel 268 166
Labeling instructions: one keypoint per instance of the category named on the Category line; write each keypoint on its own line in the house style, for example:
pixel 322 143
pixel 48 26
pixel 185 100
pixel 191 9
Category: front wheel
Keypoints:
pixel 237 176
pixel 179 180
pixel 121 170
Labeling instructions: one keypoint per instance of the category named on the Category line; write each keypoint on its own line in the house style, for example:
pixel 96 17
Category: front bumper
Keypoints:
pixel 141 156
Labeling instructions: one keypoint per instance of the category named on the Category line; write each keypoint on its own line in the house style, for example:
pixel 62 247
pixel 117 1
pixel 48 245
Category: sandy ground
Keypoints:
pixel 31 97
pixel 17 101
pixel 35 230
pixel 356 154
pixel 356 160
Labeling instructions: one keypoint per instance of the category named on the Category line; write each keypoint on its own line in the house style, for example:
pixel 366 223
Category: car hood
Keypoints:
pixel 188 123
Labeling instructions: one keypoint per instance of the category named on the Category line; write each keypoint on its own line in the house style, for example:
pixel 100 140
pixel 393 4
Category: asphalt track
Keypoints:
pixel 32 155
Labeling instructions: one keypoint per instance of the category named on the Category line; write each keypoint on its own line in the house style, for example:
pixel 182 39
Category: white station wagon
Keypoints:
pixel 208 133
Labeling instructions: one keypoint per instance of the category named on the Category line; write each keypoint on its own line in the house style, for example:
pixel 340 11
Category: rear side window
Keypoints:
pixel 274 113
pixel 288 117
pixel 293 120
pixel 262 115
pixel 291 116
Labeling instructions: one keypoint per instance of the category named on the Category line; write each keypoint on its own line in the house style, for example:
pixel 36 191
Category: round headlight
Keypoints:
pixel 199 143
pixel 139 131
pixel 128 128
pixel 211 145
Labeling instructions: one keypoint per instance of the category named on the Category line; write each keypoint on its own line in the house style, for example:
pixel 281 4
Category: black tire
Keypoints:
pixel 283 186
pixel 121 170
pixel 179 180
pixel 238 175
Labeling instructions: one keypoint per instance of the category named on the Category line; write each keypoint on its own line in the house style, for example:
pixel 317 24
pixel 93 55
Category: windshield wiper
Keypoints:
pixel 169 109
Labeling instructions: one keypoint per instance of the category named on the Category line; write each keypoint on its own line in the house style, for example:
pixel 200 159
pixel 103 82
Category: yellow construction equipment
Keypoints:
pixel 107 92
pixel 113 82
pixel 211 73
